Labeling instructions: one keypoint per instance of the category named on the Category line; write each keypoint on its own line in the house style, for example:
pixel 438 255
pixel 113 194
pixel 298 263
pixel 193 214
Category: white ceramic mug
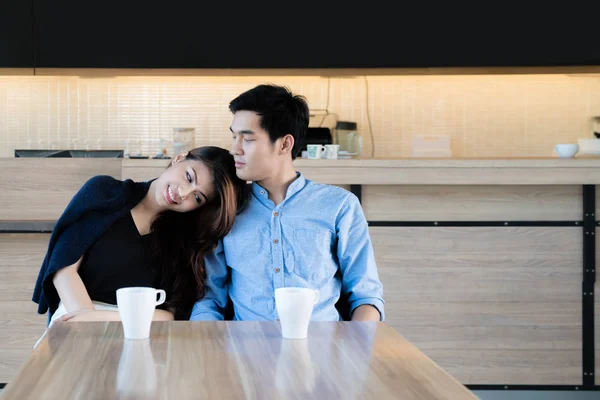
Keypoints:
pixel 136 308
pixel 566 150
pixel 294 307
pixel 315 151
pixel 331 151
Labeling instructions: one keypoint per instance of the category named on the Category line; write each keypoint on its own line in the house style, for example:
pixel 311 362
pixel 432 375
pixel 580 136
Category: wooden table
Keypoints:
pixel 230 360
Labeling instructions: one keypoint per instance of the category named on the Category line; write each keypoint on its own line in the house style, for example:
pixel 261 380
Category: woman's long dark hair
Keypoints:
pixel 181 240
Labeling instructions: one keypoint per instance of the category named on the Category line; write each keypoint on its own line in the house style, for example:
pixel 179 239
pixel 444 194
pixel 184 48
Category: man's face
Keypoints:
pixel 256 158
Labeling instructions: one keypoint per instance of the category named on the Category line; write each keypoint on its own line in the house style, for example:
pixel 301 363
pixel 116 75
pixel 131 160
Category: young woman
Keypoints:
pixel 116 234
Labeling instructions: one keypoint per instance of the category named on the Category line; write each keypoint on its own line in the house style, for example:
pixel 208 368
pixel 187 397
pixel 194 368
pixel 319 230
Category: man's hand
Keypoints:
pixel 366 312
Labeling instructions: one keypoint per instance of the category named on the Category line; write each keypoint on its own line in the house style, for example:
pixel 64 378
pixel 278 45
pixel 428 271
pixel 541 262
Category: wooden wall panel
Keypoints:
pixel 40 189
pixel 494 305
pixel 472 203
pixel 21 256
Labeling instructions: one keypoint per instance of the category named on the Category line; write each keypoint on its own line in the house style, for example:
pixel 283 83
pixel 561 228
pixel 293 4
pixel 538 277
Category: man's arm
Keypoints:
pixel 360 279
pixel 366 312
pixel 212 306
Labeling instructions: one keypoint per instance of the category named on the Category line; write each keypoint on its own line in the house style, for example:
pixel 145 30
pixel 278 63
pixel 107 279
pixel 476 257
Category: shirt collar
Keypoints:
pixel 297 185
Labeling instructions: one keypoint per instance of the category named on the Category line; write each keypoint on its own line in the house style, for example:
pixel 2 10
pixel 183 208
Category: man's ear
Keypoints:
pixel 286 144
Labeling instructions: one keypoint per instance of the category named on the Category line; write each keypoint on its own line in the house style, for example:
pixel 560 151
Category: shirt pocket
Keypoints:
pixel 313 258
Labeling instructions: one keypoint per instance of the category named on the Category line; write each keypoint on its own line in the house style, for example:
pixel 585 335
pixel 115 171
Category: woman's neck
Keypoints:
pixel 146 210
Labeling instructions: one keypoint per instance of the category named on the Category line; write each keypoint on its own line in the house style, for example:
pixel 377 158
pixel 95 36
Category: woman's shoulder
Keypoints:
pixel 102 180
pixel 101 185
pixel 106 192
pixel 109 185
pixel 102 188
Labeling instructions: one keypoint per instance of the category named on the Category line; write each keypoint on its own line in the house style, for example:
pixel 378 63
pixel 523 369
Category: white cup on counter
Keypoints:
pixel 331 151
pixel 315 151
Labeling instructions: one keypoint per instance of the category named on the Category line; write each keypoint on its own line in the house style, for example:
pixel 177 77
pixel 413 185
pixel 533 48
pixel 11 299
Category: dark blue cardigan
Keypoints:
pixel 97 205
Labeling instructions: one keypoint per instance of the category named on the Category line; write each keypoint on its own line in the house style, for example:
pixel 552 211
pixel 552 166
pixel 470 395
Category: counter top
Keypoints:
pixel 420 171
pixel 52 175
pixel 517 171
pixel 548 162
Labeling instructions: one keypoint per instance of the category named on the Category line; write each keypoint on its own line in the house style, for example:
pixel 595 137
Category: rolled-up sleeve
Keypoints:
pixel 360 278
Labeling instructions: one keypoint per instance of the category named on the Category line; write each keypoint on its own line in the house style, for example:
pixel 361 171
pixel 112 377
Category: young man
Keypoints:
pixel 294 232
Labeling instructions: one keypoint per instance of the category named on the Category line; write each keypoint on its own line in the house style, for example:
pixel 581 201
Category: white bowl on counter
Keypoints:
pixel 566 150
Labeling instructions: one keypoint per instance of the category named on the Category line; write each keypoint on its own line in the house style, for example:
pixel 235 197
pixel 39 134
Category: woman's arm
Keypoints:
pixel 71 290
pixel 77 301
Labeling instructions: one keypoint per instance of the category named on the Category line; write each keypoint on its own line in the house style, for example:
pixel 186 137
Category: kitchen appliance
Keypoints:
pixel 22 153
pixel 317 136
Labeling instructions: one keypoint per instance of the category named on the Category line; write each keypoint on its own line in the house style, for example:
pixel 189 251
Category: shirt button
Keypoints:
pixel 262 192
pixel 277 270
pixel 275 213
pixel 275 241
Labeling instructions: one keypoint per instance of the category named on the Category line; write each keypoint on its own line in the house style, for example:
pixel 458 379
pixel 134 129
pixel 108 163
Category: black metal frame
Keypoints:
pixel 25 231
pixel 588 225
pixel 589 279
pixel 475 223
pixel 534 387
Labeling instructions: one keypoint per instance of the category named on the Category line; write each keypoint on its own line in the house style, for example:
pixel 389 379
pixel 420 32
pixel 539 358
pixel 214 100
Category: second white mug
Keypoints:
pixel 294 307
pixel 331 151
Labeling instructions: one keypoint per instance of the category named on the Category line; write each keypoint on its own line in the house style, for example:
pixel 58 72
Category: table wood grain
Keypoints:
pixel 230 360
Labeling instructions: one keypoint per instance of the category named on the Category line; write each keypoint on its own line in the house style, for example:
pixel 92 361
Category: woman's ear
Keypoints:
pixel 179 157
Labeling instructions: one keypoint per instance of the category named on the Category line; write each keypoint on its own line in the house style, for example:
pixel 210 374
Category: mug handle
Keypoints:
pixel 161 298
pixel 316 296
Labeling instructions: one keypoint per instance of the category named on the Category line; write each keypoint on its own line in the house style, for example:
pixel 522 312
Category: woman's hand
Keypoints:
pixel 73 314
pixel 93 315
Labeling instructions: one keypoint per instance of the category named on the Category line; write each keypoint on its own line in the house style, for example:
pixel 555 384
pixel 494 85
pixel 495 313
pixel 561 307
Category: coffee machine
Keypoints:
pixel 317 136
